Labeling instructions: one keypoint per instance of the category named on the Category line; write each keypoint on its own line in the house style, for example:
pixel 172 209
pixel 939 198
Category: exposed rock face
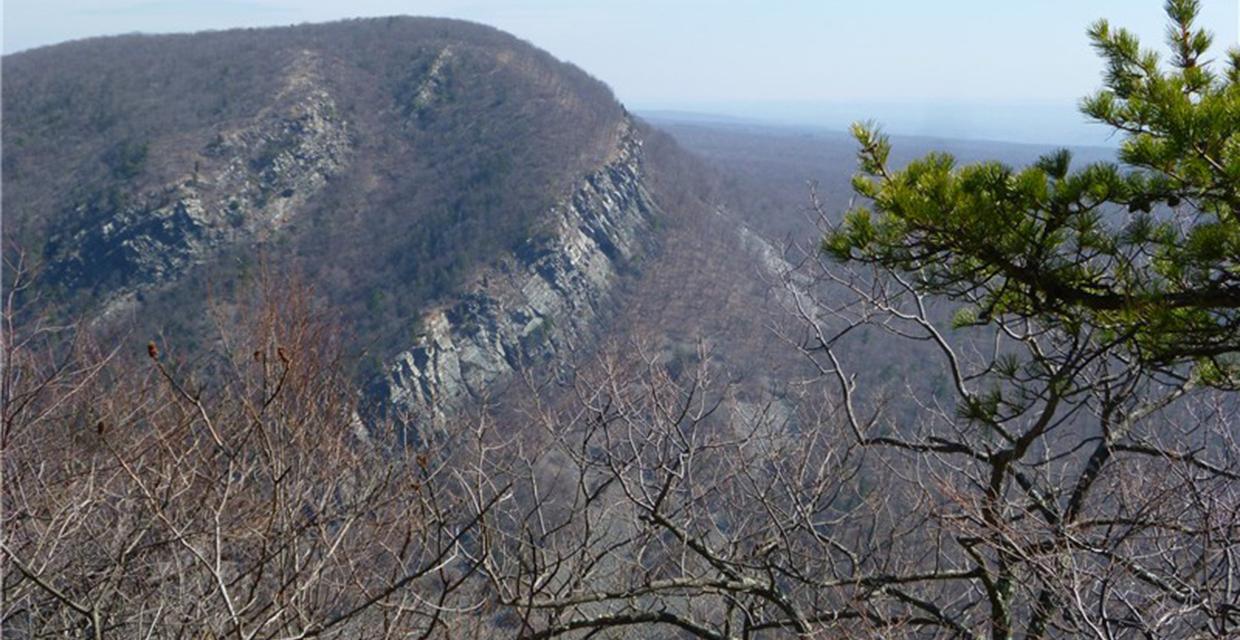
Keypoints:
pixel 244 184
pixel 546 295
pixel 403 162
pixel 429 87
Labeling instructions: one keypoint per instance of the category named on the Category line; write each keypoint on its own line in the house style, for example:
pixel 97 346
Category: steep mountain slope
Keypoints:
pixel 468 205
pixel 396 150
pixel 549 291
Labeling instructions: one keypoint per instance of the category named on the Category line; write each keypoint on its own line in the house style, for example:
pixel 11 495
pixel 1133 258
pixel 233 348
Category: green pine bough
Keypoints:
pixel 1145 252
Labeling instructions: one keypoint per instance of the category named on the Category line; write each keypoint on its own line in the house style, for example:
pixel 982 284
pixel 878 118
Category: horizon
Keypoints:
pixel 1038 124
pixel 748 60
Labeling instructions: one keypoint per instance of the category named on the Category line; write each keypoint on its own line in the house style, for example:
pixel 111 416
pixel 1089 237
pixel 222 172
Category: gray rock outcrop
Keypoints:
pixel 246 183
pixel 544 297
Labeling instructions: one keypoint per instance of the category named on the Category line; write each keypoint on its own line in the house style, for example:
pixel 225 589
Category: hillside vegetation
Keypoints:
pixel 389 158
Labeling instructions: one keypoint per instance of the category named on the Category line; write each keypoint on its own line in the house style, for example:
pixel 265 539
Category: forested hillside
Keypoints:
pixel 390 158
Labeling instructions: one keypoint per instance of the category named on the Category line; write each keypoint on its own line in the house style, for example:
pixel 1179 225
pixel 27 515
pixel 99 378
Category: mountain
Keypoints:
pixel 393 141
pixel 465 203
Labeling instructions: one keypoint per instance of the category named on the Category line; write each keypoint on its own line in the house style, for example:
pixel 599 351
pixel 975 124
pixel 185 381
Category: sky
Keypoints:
pixel 998 69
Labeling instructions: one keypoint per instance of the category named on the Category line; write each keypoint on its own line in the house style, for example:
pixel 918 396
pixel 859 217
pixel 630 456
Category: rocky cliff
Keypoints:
pixel 463 205
pixel 387 161
pixel 246 183
pixel 544 297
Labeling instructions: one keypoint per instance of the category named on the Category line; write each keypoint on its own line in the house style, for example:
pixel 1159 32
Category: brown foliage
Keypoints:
pixel 144 497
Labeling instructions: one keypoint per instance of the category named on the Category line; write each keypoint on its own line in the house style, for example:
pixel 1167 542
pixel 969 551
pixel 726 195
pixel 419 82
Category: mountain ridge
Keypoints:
pixel 468 205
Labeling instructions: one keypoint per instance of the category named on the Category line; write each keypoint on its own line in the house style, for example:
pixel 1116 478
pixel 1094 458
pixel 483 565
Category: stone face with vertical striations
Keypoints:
pixel 464 206
pixel 543 297
pixel 248 182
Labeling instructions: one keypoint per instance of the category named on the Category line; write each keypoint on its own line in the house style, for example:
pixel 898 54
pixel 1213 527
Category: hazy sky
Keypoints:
pixel 949 62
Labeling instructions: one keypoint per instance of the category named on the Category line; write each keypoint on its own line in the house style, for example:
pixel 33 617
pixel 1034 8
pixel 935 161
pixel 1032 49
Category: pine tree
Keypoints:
pixel 1148 251
pixel 1098 310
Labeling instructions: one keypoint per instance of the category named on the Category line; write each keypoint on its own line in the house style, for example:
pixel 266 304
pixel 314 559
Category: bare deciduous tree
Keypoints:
pixel 141 502
pixel 1054 489
pixel 1075 490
